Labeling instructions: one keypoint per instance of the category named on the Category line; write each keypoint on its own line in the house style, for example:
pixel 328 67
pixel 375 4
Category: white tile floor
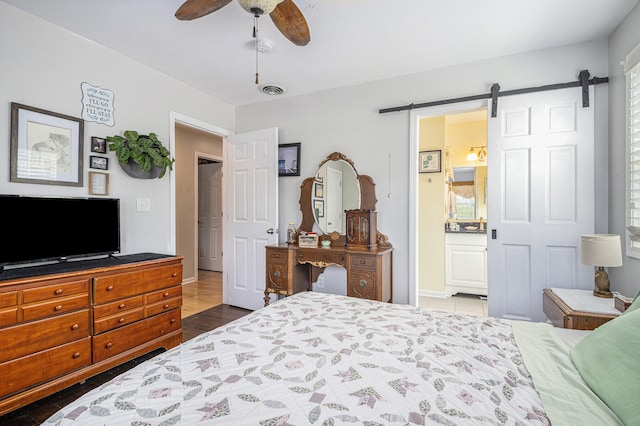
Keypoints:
pixel 463 303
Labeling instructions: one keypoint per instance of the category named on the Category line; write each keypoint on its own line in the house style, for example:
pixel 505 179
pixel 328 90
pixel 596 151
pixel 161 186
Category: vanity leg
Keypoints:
pixel 266 298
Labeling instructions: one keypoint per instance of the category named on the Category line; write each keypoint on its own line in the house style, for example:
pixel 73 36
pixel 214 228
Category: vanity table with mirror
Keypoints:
pixel 337 187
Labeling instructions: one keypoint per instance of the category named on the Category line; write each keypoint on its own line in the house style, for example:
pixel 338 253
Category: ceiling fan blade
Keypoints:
pixel 289 20
pixel 192 9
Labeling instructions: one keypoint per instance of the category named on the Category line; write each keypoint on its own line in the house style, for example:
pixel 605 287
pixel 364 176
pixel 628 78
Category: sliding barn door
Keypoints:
pixel 541 199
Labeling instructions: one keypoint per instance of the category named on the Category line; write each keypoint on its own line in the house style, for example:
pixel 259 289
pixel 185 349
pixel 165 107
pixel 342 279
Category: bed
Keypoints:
pixel 324 359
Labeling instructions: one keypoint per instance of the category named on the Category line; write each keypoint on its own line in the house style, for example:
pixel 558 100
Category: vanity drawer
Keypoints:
pixel 163 294
pixel 54 291
pixel 8 299
pixel 118 286
pixel 25 339
pixel 114 321
pixel 278 255
pixel 119 306
pixel 362 284
pixel 322 259
pixel 122 339
pixel 363 262
pixel 277 277
pixel 39 367
pixel 54 307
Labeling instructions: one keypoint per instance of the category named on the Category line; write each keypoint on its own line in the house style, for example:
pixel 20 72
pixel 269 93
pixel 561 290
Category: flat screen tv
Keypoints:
pixel 55 228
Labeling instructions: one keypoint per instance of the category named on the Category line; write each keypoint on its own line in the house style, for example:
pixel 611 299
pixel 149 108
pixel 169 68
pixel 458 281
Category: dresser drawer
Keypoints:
pixel 54 307
pixel 39 367
pixel 127 337
pixel 162 306
pixel 363 262
pixel 8 299
pixel 8 316
pixel 118 286
pixel 118 320
pixel 24 339
pixel 119 306
pixel 54 291
pixel 277 277
pixel 163 295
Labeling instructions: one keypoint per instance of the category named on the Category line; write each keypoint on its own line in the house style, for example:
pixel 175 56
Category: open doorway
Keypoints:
pixel 198 203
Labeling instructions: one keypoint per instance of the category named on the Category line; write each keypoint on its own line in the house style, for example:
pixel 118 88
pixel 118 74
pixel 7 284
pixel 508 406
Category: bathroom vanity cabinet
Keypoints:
pixel 466 263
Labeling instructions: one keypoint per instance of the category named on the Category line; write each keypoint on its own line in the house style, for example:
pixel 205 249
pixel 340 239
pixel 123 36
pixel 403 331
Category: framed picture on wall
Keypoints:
pixel 430 161
pixel 289 159
pixel 98 145
pixel 46 147
pixel 96 162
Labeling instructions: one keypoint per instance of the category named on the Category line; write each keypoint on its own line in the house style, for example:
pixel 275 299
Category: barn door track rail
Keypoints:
pixel 583 81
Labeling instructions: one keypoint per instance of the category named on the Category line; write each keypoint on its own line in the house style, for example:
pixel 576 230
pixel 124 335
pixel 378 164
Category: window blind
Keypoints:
pixel 632 70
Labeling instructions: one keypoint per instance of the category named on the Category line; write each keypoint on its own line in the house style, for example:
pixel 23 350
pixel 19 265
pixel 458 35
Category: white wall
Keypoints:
pixel 43 66
pixel 347 120
pixel 625 279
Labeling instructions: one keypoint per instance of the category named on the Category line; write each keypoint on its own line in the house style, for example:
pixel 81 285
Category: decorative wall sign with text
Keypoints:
pixel 97 105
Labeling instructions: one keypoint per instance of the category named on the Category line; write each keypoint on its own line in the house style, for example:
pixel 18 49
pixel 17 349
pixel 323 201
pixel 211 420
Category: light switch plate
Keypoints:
pixel 143 204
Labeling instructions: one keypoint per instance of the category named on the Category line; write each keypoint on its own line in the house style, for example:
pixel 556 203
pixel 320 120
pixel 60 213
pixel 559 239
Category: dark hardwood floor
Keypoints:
pixel 39 411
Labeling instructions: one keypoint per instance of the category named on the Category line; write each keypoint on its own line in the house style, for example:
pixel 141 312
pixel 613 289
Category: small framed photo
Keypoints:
pixel 289 159
pixel 318 205
pixel 98 183
pixel 319 192
pixel 320 176
pixel 96 162
pixel 430 161
pixel 98 145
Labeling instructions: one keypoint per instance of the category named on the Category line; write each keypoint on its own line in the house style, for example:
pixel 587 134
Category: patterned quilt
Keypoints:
pixel 323 359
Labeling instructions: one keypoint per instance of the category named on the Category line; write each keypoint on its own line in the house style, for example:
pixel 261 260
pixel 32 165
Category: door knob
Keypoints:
pixel 271 231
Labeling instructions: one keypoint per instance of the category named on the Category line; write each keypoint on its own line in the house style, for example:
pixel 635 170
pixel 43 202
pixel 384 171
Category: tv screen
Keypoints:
pixel 47 228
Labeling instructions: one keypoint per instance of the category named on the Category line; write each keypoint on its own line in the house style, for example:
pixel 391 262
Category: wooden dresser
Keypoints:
pixel 81 318
pixel 291 269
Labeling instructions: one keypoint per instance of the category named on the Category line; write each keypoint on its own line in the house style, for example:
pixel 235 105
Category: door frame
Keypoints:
pixel 196 185
pixel 414 120
pixel 175 118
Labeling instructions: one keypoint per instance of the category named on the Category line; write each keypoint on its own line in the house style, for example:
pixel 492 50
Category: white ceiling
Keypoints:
pixel 352 41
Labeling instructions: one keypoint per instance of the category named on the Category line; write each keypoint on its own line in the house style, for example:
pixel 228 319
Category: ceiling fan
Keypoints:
pixel 284 14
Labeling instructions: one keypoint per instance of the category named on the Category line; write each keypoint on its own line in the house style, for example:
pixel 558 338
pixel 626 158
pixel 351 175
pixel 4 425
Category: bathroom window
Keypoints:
pixel 632 72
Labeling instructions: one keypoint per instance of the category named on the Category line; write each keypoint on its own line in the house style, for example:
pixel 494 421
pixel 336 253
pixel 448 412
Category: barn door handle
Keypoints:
pixel 494 234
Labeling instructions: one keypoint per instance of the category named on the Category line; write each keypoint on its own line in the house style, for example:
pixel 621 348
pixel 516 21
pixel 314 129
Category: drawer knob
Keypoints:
pixel 75 326
pixel 121 320
pixel 341 258
pixel 58 292
pixel 363 283
pixel 276 274
pixel 362 262
pixel 166 294
pixel 175 274
pixel 108 345
pixel 110 288
pixel 121 306
pixel 173 320
pixel 58 308
pixel 166 306
pixel 76 355
pixel 277 256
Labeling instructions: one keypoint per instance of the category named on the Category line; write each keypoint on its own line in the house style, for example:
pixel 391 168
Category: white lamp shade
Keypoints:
pixel 601 250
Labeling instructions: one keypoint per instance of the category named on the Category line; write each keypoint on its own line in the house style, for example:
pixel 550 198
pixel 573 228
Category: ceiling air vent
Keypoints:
pixel 272 89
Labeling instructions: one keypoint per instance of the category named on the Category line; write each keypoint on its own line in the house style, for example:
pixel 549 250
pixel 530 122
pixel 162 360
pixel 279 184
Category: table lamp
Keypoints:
pixel 601 250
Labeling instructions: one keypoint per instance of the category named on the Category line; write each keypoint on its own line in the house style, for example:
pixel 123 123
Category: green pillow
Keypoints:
pixel 634 305
pixel 607 360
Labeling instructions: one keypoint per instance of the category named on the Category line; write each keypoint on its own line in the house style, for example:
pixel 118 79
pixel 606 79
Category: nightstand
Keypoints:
pixel 577 309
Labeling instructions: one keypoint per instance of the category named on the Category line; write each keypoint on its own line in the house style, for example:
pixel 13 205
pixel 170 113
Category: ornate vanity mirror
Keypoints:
pixel 336 187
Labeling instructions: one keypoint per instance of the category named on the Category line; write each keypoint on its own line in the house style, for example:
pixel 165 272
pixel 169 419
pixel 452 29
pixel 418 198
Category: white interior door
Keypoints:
pixel 251 218
pixel 541 199
pixel 210 216
pixel 333 209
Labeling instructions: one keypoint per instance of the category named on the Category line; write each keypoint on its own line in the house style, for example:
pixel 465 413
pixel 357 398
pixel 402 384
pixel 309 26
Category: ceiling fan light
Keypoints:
pixel 266 6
